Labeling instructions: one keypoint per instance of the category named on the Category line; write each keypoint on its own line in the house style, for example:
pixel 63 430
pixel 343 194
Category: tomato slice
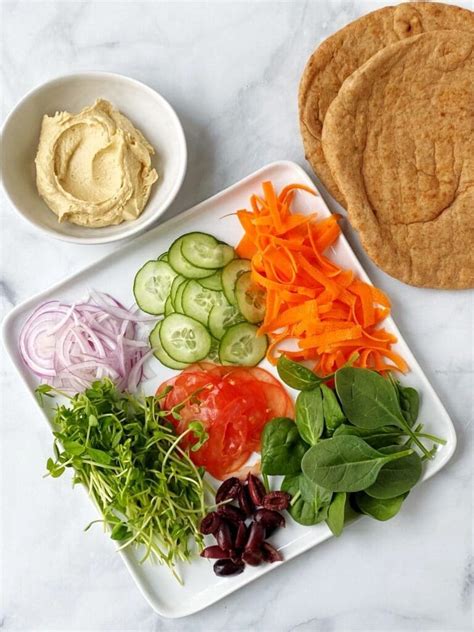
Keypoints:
pixel 233 404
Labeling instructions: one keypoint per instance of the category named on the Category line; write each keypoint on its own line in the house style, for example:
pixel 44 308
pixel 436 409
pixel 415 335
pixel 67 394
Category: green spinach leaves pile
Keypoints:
pixel 357 448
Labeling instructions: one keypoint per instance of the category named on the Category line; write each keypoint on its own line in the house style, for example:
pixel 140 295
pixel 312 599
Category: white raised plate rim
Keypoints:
pixel 308 539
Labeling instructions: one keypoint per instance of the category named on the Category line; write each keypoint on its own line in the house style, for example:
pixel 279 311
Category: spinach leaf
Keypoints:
pixel 309 415
pixel 379 438
pixel 311 502
pixel 337 512
pixel 345 463
pixel 368 400
pixel 409 402
pixel 380 509
pixel 282 447
pixel 371 401
pixel 296 375
pixel 333 415
pixel 396 477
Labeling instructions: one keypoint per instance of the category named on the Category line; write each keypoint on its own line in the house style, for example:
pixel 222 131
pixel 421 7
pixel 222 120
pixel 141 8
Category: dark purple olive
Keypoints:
pixel 215 553
pixel 210 523
pixel 241 536
pixel 256 489
pixel 256 536
pixel 231 513
pixel 223 568
pixel 245 501
pixel 228 489
pixel 270 553
pixel 269 531
pixel 276 500
pixel 236 557
pixel 254 558
pixel 269 518
pixel 224 537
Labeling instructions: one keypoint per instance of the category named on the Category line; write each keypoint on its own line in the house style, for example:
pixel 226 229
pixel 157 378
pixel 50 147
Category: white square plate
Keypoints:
pixel 115 274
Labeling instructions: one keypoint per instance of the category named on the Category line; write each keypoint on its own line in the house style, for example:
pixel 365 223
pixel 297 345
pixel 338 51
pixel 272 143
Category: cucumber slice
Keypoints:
pixel 241 345
pixel 250 298
pixel 177 303
pixel 222 317
pixel 213 282
pixel 230 274
pixel 163 257
pixel 182 265
pixel 178 280
pixel 184 339
pixel 151 286
pixel 213 355
pixel 169 309
pixel 159 352
pixel 204 251
pixel 197 301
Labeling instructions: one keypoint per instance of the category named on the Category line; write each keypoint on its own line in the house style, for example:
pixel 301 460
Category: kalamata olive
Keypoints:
pixel 245 501
pixel 269 518
pixel 224 537
pixel 270 553
pixel 228 490
pixel 223 568
pixel 269 531
pixel 256 489
pixel 235 556
pixel 215 552
pixel 231 513
pixel 276 500
pixel 241 536
pixel 256 536
pixel 254 558
pixel 210 523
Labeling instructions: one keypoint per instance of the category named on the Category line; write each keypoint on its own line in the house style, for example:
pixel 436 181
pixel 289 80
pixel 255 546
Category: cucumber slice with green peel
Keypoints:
pixel 178 280
pixel 182 265
pixel 241 345
pixel 197 301
pixel 159 352
pixel 213 355
pixel 204 251
pixel 177 303
pixel 184 339
pixel 163 257
pixel 151 286
pixel 250 298
pixel 169 309
pixel 230 274
pixel 222 317
pixel 213 282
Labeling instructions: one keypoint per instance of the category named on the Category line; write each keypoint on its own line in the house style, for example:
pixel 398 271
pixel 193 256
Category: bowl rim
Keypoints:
pixel 129 230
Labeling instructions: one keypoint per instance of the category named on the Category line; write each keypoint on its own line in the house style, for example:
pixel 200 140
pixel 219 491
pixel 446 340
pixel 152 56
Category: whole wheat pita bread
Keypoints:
pixel 399 138
pixel 345 51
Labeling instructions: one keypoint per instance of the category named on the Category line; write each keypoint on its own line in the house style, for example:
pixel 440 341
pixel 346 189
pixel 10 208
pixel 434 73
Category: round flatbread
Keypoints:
pixel 345 51
pixel 399 138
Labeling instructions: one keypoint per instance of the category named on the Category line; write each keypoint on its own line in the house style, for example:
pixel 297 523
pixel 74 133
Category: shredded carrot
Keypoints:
pixel 330 313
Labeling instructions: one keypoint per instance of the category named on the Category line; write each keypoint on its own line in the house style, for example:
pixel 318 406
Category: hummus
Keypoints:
pixel 94 168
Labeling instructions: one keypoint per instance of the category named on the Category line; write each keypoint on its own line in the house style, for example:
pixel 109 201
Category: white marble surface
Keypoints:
pixel 231 70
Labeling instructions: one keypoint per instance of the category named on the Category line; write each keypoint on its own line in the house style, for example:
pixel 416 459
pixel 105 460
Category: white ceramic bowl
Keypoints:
pixel 147 110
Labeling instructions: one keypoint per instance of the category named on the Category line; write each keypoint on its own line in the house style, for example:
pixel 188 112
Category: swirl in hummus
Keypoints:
pixel 94 168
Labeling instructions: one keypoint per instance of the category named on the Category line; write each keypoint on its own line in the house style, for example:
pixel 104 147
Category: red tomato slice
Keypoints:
pixel 233 403
pixel 278 400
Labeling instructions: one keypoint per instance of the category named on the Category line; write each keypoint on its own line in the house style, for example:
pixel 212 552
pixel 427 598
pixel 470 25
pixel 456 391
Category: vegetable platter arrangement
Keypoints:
pixel 230 390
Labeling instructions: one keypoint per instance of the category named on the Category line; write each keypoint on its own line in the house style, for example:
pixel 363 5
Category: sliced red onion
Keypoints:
pixel 71 345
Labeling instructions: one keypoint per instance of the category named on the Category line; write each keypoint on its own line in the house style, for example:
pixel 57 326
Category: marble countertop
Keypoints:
pixel 231 71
